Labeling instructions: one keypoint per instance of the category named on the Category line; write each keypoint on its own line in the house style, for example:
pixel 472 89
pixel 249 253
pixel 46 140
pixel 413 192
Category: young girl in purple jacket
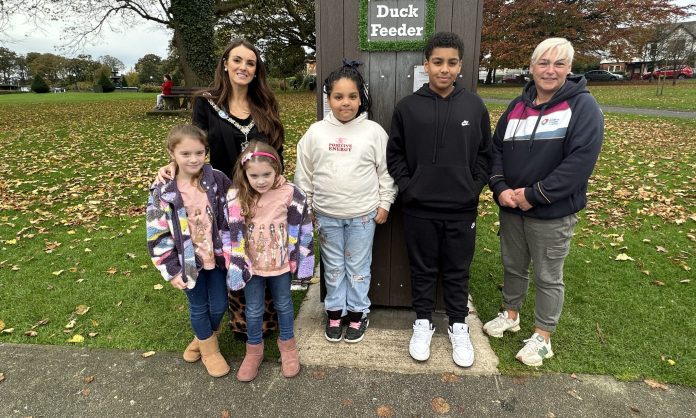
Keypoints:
pixel 188 240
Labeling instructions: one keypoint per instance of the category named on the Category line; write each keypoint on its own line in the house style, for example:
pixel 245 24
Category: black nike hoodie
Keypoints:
pixel 439 153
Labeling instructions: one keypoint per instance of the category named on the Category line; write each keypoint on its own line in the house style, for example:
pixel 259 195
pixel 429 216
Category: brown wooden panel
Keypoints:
pixel 351 47
pixel 404 73
pixel 400 284
pixel 351 42
pixel 381 265
pixel 466 15
pixel 382 86
pixel 475 63
pixel 332 42
pixel 443 19
pixel 317 54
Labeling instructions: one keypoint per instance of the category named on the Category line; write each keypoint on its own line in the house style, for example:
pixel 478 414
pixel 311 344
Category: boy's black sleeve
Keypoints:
pixel 484 156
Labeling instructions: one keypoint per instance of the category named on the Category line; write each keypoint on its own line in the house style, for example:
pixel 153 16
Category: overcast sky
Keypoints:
pixel 128 46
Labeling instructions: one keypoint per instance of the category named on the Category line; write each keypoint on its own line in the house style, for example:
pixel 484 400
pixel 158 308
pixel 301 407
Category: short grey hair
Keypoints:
pixel 562 47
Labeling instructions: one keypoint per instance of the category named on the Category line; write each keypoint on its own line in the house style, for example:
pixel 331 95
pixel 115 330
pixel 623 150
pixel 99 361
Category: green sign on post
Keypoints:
pixel 396 25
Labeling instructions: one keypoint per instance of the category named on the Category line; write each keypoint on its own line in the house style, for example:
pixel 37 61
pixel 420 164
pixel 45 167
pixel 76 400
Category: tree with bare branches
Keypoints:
pixel 192 22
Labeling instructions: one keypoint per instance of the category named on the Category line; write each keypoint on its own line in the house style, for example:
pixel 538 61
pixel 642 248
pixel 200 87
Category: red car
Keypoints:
pixel 683 72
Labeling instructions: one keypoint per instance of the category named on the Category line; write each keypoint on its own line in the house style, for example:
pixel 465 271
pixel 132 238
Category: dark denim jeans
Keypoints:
pixel 207 302
pixel 254 292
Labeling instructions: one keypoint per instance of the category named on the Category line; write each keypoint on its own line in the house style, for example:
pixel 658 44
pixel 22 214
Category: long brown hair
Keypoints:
pixel 245 193
pixel 262 101
pixel 178 133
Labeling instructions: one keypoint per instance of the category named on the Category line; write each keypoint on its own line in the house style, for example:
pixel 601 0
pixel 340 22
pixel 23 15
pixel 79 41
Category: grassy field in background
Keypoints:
pixel 74 170
pixel 682 96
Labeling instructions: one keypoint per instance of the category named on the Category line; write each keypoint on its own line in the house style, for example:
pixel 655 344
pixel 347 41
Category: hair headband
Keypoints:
pixel 258 154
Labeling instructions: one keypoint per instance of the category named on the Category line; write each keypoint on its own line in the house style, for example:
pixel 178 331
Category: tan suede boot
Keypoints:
pixel 213 361
pixel 250 365
pixel 289 357
pixel 192 353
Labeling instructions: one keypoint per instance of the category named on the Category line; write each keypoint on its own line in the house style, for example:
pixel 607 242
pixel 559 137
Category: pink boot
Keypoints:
pixel 289 357
pixel 250 365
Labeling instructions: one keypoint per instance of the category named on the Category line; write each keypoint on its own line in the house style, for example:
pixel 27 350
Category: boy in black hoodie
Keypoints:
pixel 439 152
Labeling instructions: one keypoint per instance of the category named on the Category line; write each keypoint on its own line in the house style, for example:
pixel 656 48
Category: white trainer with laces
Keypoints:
pixel 462 350
pixel 534 352
pixel 497 326
pixel 419 347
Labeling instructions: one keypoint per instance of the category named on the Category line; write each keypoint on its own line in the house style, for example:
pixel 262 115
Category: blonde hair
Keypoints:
pixel 178 133
pixel 561 46
pixel 245 193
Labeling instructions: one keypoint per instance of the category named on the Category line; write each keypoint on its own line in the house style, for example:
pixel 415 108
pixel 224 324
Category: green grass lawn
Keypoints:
pixel 682 96
pixel 74 170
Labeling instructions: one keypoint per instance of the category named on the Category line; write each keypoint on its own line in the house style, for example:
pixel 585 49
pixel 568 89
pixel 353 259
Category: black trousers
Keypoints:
pixel 440 246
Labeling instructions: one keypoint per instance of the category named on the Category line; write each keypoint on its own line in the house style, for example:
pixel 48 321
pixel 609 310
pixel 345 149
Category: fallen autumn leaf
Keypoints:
pixel 385 411
pixel 623 257
pixel 574 394
pixel 439 405
pixel 82 309
pixel 654 384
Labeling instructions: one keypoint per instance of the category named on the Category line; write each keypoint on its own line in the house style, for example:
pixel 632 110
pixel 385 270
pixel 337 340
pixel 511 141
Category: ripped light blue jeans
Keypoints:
pixel 346 251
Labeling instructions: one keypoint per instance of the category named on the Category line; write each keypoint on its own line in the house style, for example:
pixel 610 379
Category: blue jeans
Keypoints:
pixel 254 293
pixel 207 302
pixel 346 251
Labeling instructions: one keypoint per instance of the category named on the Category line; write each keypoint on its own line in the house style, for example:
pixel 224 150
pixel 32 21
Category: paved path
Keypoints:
pixel 373 378
pixel 51 381
pixel 625 110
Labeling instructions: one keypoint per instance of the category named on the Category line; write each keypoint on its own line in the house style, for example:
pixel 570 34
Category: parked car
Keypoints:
pixel 602 75
pixel 519 78
pixel 683 72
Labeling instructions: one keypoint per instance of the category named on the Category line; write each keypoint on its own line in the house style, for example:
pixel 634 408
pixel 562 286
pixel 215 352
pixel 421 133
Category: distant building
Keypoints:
pixel 311 67
pixel 674 44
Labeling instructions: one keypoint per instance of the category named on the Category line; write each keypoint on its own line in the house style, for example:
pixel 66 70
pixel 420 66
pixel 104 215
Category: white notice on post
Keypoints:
pixel 420 77
pixel 325 106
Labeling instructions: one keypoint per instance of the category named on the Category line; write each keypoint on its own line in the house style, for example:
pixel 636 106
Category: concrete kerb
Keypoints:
pixel 386 349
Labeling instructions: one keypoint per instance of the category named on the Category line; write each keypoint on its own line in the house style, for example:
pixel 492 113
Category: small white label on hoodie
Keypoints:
pixel 465 122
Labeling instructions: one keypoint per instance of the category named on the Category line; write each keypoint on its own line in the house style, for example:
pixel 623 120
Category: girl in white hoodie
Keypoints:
pixel 341 167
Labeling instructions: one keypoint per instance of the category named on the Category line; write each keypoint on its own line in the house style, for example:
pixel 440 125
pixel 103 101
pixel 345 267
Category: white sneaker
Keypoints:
pixel 298 286
pixel 534 352
pixel 500 324
pixel 419 347
pixel 462 350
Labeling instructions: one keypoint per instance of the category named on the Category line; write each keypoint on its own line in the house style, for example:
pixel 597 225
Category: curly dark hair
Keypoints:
pixel 444 40
pixel 349 70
